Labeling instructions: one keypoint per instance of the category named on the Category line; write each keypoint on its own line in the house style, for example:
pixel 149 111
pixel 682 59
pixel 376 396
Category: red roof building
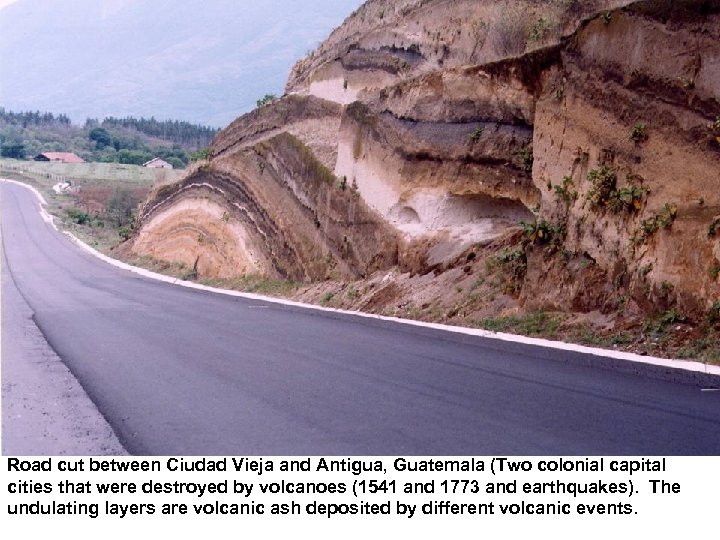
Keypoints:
pixel 61 157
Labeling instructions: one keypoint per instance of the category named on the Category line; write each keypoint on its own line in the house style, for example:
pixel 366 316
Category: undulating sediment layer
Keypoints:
pixel 584 135
pixel 269 209
pixel 385 41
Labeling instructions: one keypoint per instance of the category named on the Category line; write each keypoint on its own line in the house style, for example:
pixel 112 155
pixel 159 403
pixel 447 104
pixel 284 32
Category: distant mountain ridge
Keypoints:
pixel 204 61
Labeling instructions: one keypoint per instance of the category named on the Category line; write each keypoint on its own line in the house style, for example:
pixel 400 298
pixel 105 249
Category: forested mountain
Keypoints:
pixel 178 132
pixel 205 61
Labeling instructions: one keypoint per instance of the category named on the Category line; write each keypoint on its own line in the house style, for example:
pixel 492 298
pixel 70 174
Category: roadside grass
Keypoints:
pixel 705 349
pixel 586 335
pixel 253 283
pixel 93 233
pixel 531 324
pixel 44 175
pixel 92 186
pixel 172 269
pixel 654 337
pixel 48 174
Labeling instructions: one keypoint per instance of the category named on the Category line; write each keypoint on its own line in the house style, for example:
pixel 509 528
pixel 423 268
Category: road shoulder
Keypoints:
pixel 45 410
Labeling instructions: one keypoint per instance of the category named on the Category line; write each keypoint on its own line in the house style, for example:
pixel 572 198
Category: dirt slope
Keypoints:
pixel 489 159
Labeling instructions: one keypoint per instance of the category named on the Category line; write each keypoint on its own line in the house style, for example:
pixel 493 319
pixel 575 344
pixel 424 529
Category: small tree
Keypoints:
pixel 177 163
pixel 133 157
pixel 201 155
pixel 266 100
pixel 101 137
pixel 121 207
pixel 13 150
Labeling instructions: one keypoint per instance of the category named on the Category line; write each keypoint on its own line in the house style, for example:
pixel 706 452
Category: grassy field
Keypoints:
pixel 47 174
pixel 102 197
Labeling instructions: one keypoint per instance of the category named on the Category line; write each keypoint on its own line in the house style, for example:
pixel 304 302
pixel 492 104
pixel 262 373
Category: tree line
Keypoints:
pixel 126 140
pixel 33 118
pixel 176 131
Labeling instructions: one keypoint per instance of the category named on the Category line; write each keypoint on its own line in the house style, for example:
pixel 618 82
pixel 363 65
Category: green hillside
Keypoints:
pixel 131 141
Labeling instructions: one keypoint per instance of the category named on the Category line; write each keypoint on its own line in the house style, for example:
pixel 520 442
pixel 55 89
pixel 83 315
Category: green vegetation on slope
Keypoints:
pixel 101 200
pixel 131 141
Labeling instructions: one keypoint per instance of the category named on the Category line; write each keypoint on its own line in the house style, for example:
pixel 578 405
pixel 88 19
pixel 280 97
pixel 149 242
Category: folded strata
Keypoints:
pixel 587 133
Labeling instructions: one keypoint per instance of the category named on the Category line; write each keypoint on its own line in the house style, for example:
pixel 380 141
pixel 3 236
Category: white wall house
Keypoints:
pixel 157 163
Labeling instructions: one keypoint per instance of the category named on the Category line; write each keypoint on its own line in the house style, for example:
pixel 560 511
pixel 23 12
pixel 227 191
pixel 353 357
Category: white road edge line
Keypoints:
pixel 686 365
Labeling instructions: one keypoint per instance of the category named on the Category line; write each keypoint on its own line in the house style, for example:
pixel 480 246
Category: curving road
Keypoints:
pixel 180 371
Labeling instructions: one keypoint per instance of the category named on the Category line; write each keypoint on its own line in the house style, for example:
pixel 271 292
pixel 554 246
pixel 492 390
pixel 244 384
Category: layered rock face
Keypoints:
pixel 271 208
pixel 584 132
pixel 627 159
pixel 386 41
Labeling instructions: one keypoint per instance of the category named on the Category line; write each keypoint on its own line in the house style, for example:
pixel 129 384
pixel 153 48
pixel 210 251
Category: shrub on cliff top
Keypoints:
pixel 266 100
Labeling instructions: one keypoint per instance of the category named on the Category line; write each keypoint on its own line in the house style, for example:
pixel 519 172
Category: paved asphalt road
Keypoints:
pixel 179 371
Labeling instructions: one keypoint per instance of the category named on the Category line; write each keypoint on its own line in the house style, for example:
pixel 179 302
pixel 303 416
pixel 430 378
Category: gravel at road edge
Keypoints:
pixel 45 411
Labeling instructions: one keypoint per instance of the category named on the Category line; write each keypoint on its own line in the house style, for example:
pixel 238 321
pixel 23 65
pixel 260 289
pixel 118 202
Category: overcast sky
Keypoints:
pixel 207 62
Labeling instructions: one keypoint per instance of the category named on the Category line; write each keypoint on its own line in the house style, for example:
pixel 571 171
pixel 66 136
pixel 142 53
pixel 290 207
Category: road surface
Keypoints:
pixel 45 411
pixel 180 371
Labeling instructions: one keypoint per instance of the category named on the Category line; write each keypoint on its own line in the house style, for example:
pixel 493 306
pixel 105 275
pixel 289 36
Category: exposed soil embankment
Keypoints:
pixel 625 151
pixel 387 41
pixel 492 160
pixel 270 209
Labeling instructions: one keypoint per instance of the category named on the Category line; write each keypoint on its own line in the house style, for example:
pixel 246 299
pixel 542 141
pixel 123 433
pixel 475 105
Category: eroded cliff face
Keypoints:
pixel 270 208
pixel 578 140
pixel 627 161
pixel 386 41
